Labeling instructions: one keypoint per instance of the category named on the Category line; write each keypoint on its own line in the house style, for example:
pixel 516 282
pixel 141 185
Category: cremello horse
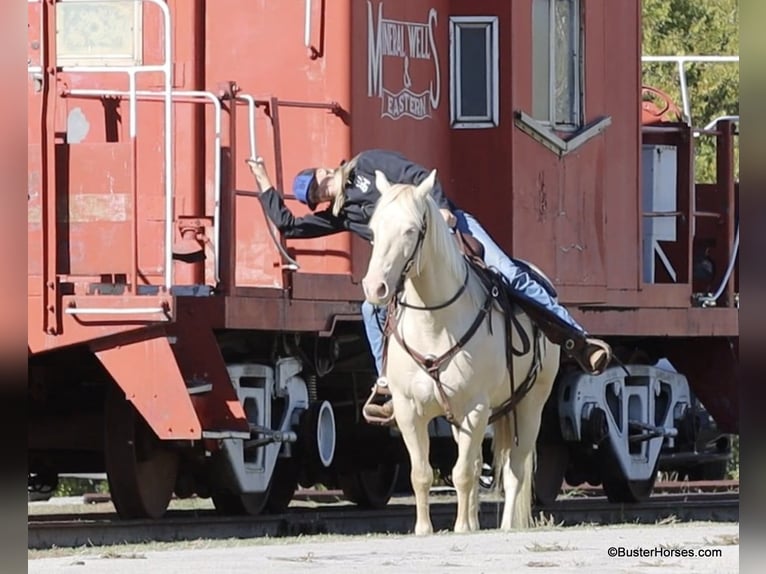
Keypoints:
pixel 415 257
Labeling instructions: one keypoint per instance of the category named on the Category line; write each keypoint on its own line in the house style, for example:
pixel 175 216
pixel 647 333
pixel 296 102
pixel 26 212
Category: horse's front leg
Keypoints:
pixel 414 429
pixel 465 473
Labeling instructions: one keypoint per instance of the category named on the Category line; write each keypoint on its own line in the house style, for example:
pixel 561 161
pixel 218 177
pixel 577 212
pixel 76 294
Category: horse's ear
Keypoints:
pixel 381 182
pixel 425 186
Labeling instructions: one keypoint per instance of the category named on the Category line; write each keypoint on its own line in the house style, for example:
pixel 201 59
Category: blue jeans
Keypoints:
pixel 521 282
pixel 373 327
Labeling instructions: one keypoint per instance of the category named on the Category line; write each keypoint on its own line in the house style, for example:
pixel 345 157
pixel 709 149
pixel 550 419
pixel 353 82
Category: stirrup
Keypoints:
pixel 381 385
pixel 374 418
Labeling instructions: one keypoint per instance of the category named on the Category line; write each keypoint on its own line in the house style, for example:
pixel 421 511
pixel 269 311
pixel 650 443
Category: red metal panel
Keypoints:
pixel 34 209
pixel 262 49
pixel 160 395
pixel 384 81
pixel 712 367
pixel 646 321
pixel 620 88
pixel 200 361
pixel 78 329
pixel 558 217
pixel 482 167
pixel 95 208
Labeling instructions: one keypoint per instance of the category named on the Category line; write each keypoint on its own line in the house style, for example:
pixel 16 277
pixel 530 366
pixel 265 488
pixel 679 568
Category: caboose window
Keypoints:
pixel 473 72
pixel 556 63
pixel 99 33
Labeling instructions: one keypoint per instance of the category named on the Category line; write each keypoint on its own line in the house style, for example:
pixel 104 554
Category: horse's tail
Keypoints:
pixel 502 443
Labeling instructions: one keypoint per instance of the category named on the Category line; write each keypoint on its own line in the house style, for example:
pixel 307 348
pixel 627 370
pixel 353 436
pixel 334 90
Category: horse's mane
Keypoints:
pixel 439 242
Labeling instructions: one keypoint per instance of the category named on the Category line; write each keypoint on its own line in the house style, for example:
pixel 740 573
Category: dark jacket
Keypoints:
pixel 361 197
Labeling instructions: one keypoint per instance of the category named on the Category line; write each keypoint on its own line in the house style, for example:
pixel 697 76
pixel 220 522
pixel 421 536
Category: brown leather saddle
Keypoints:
pixel 471 247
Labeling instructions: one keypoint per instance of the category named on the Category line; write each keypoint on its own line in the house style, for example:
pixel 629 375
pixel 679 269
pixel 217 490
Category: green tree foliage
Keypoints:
pixel 695 27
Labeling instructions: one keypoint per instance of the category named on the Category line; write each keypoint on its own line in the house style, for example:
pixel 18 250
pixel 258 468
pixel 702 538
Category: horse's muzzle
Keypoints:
pixel 376 292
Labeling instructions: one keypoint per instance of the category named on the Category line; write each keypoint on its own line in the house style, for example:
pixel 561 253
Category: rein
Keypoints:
pixel 432 364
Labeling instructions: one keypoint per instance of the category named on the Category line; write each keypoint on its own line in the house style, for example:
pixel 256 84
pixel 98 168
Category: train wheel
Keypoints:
pixel 284 483
pixel 552 462
pixel 370 488
pixel 715 470
pixel 617 487
pixel 276 499
pixel 228 503
pixel 141 471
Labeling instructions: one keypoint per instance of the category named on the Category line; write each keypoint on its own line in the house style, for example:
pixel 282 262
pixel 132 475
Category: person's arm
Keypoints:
pixel 316 224
pixel 313 225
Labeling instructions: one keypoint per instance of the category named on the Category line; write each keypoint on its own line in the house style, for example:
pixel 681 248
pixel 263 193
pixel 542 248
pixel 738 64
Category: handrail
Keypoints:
pixel 166 68
pixel 115 310
pixel 307 25
pixel 218 128
pixel 252 104
pixel 681 61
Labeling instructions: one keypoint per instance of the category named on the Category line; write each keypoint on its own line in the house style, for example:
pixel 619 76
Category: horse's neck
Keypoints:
pixel 435 285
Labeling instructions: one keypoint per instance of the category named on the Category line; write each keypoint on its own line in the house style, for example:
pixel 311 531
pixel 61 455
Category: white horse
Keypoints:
pixel 442 301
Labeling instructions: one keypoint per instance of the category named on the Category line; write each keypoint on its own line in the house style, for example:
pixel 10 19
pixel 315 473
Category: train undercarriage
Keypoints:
pixel 301 395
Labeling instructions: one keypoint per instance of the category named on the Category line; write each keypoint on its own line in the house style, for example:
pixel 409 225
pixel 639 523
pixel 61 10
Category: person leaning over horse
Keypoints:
pixel 350 190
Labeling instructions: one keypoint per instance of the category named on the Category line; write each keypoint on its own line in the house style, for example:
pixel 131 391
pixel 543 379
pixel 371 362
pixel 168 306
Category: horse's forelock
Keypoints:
pixel 439 240
pixel 401 197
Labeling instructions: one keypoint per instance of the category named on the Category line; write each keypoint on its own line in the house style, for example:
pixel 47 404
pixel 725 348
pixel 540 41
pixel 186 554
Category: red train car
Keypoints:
pixel 177 342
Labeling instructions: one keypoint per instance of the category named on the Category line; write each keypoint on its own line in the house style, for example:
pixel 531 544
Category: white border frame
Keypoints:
pixel 490 24
pixel 134 59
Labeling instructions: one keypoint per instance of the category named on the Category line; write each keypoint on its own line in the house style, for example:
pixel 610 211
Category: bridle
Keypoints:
pixel 432 364
pixel 408 266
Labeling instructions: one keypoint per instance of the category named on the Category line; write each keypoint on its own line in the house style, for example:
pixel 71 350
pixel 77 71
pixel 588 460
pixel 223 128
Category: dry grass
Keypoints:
pixel 542 564
pixel 555 547
pixel 723 540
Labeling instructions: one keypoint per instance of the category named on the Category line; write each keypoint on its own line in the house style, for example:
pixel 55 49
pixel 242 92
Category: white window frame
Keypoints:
pixel 492 118
pixel 578 56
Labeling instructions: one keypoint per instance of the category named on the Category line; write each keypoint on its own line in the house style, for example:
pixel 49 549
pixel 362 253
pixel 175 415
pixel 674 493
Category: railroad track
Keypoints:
pixel 101 529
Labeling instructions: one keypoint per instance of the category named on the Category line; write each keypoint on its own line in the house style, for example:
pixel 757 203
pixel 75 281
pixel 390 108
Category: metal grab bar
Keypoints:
pixel 252 104
pixel 116 311
pixel 307 25
pixel 166 68
pixel 218 123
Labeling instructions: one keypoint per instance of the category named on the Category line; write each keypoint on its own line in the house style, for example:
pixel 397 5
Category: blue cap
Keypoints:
pixel 302 186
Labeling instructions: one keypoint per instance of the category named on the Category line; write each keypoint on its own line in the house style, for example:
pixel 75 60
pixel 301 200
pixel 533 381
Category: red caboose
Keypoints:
pixel 179 343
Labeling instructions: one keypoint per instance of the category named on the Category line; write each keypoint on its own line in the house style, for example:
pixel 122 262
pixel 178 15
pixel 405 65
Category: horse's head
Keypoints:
pixel 398 227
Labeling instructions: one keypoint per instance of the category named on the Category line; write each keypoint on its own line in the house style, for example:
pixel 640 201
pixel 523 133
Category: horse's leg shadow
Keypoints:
pixel 414 429
pixel 465 473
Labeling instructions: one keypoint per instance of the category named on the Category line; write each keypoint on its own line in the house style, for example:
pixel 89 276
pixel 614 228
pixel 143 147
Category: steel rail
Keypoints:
pixel 95 530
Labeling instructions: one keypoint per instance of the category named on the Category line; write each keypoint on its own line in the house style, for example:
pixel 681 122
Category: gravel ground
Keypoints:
pixel 560 550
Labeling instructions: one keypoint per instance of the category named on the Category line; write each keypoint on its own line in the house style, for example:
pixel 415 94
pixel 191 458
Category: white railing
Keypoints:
pixel 166 69
pixel 681 62
pixel 206 97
